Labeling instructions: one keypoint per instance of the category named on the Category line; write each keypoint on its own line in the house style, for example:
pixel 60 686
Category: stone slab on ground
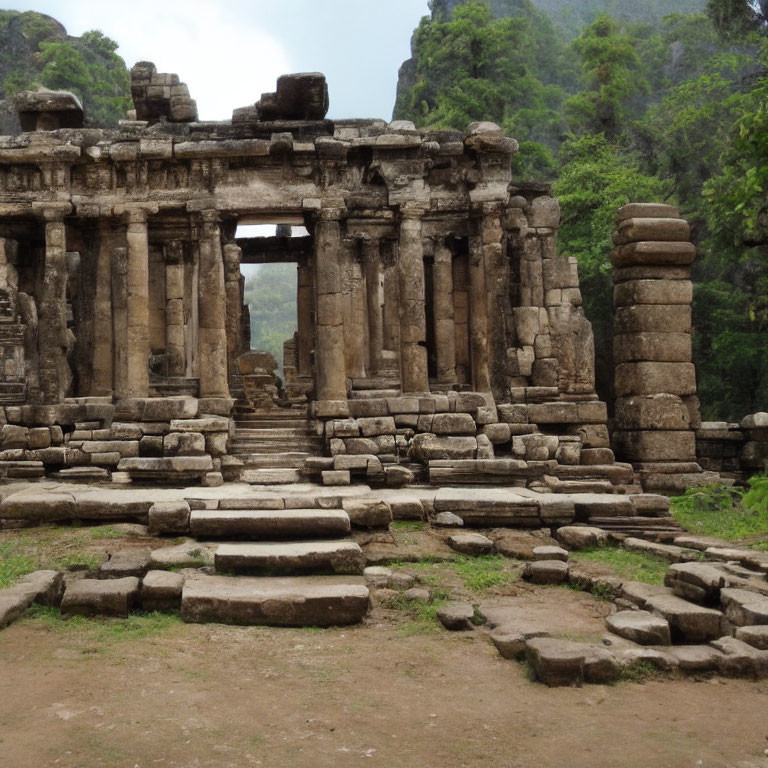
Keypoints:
pixel 125 562
pixel 13 604
pixel 472 544
pixel 695 658
pixel 367 513
pixel 640 627
pixel 488 507
pixel 756 635
pixel 318 601
pixel 188 554
pixel 740 659
pixel 169 517
pixel 46 587
pixel 578 537
pixel 334 556
pixel 456 617
pixel 269 524
pixel 688 622
pixel 161 591
pixel 697 581
pixel 550 553
pixel 278 476
pixel 559 662
pixel 665 551
pixel 744 608
pixel 546 572
pixel 510 639
pixel 100 597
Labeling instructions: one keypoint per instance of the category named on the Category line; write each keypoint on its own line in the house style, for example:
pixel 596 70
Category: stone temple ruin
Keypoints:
pixel 441 346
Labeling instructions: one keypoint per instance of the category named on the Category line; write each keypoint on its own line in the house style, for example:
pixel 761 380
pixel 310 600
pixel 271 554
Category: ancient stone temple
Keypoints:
pixel 440 336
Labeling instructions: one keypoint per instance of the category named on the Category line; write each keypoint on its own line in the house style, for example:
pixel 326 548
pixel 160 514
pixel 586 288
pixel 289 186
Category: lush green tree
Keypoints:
pixel 735 18
pixel 612 68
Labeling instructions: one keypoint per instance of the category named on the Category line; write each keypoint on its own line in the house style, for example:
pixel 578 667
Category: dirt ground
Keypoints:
pixel 78 695
pixel 397 691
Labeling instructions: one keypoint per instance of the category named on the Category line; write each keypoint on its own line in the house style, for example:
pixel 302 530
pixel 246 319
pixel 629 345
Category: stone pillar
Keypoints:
pixel 137 352
pixel 656 409
pixel 174 308
pixel 372 269
pixel 305 317
pixel 498 306
pixel 414 375
pixel 233 289
pixel 53 339
pixel 330 370
pixel 353 291
pixel 212 308
pixel 442 305
pixel 478 312
pixel 102 363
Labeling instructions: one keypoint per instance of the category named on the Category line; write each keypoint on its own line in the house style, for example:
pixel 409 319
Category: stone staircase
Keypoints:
pixel 273 444
pixel 279 567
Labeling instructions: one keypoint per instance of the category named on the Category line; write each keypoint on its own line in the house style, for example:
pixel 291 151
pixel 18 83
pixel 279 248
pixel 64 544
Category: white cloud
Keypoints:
pixel 225 61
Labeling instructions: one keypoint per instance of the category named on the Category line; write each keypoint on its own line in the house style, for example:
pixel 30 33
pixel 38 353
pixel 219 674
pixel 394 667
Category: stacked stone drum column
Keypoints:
pixel 657 409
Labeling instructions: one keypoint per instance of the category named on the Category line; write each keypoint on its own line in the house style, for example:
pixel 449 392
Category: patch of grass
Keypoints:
pixel 423 615
pixel 760 545
pixel 14 564
pixel 481 574
pixel 78 561
pixel 723 511
pixel 106 631
pixel 408 525
pixel 106 532
pixel 636 566
pixel 639 671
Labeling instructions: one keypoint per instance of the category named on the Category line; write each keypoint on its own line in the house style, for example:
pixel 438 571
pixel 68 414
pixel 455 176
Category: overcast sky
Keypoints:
pixel 230 52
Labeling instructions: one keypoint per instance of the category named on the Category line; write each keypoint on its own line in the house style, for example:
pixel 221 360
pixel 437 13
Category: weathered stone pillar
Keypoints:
pixel 305 322
pixel 353 291
pixel 53 339
pixel 330 370
pixel 498 308
pixel 174 307
pixel 212 307
pixel 102 364
pixel 442 306
pixel 234 291
pixel 137 352
pixel 655 380
pixel 372 269
pixel 478 312
pixel 414 375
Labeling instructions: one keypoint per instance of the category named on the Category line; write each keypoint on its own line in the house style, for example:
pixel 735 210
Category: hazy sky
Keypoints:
pixel 230 52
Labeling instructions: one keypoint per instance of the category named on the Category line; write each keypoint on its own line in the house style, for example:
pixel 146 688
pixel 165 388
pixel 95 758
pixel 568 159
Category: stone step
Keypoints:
pixel 275 476
pixel 265 524
pixel 315 601
pixel 278 433
pixel 339 556
pixel 292 459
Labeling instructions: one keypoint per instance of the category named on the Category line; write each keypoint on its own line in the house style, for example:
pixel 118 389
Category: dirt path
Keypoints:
pixel 83 695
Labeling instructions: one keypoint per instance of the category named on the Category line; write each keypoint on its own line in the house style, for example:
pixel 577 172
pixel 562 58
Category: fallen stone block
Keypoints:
pixel 562 662
pixel 696 658
pixel 169 517
pixel 510 639
pixel 472 544
pixel 697 581
pixel 640 627
pixel 550 553
pixel 100 597
pixel 161 591
pixel 740 659
pixel 688 622
pixel 125 562
pixel 546 572
pixel 367 513
pixel 744 608
pixel 578 537
pixel 755 635
pixel 13 604
pixel 456 617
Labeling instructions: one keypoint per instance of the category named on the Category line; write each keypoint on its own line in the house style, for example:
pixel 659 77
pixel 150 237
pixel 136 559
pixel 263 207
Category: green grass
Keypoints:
pixel 422 615
pixel 481 574
pixel 725 512
pixel 78 561
pixel 639 672
pixel 106 532
pixel 635 566
pixel 408 525
pixel 105 631
pixel 14 564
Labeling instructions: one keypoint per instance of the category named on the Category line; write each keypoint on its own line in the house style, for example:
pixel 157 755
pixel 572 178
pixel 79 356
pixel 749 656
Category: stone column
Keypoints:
pixel 53 339
pixel 330 370
pixel 353 292
pixel 498 308
pixel 212 308
pixel 478 313
pixel 137 352
pixel 233 289
pixel 414 375
pixel 442 306
pixel 372 269
pixel 305 321
pixel 656 409
pixel 102 364
pixel 174 307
